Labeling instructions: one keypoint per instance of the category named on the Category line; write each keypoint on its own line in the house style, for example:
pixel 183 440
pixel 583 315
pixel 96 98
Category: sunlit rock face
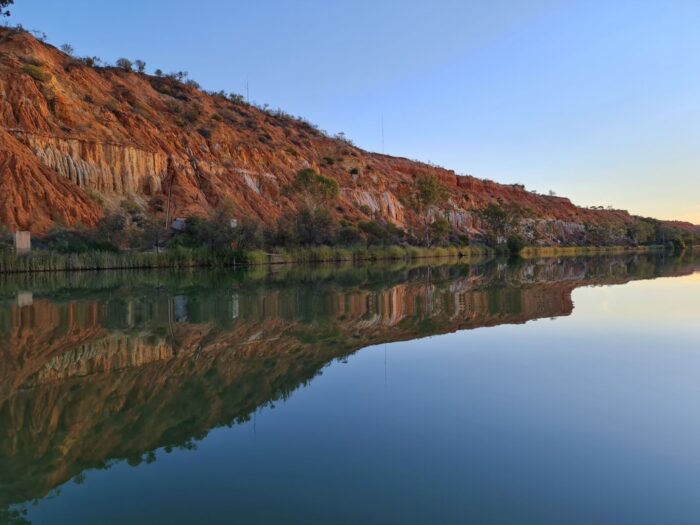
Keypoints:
pixel 110 169
pixel 96 368
pixel 76 141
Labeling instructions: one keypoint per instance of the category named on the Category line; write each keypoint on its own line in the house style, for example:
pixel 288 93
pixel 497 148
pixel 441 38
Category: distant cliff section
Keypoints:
pixel 78 139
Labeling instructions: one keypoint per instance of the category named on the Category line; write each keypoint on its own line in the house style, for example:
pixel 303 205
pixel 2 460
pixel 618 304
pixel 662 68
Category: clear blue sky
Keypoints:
pixel 597 100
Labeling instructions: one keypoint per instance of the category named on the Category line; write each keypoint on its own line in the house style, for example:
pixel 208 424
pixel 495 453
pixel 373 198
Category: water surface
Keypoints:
pixel 557 391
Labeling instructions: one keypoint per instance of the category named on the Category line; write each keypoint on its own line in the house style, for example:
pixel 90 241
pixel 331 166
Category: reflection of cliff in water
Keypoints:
pixel 115 366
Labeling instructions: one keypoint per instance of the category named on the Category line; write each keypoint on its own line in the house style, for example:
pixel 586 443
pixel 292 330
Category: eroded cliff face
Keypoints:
pixel 35 197
pixel 109 169
pixel 76 141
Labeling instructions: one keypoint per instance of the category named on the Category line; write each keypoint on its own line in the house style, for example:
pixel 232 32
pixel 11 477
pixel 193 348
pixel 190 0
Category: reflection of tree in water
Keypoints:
pixel 99 371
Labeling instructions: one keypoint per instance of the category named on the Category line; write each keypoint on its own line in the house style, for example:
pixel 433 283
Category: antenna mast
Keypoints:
pixel 382 133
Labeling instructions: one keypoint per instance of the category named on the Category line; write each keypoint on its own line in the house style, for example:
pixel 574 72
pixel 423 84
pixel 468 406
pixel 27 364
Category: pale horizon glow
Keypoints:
pixel 597 101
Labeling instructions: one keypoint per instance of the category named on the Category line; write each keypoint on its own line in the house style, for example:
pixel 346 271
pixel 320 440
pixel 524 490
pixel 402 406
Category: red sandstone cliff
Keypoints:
pixel 76 140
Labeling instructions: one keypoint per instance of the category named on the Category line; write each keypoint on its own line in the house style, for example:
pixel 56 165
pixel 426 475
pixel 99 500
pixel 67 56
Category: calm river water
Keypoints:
pixel 543 392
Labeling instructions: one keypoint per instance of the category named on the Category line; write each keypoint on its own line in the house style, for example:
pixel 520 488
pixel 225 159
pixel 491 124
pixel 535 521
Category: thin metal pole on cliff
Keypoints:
pixel 170 190
pixel 382 133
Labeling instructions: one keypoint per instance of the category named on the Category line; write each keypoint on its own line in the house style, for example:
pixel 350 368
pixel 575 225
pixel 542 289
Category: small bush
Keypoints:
pixel 343 254
pixel 317 185
pixel 257 257
pixel 192 113
pixel 125 64
pixel 515 245
pixel 360 254
pixel 112 105
pixel 36 72
pixel 395 253
pixel 415 252
pixel 75 242
pixel 94 195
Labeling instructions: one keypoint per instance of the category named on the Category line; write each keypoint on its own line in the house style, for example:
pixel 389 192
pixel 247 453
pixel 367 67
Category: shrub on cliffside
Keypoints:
pixel 36 72
pixel 429 193
pixel 317 188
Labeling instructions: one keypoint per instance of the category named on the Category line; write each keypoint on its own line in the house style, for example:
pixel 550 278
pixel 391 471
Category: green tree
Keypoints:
pixel 500 221
pixel 348 233
pixel 317 188
pixel 313 224
pixel 440 231
pixel 152 233
pixel 308 227
pixel 641 232
pixel 429 193
pixel 380 233
pixel 598 234
pixel 248 234
pixel 125 64
pixel 217 232
pixel 3 7
pixel 315 227
pixel 112 227
pixel 515 245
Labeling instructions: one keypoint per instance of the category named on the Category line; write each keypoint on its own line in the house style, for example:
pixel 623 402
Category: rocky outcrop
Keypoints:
pixel 35 197
pixel 109 169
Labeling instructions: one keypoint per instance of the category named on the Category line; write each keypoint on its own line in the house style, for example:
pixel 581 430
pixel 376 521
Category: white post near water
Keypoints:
pixel 23 242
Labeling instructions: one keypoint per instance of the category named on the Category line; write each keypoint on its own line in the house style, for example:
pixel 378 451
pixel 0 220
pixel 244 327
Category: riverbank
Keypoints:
pixel 533 252
pixel 48 261
pixel 326 254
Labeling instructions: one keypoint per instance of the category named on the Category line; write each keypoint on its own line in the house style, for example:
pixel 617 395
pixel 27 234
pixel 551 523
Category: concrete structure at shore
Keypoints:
pixel 23 242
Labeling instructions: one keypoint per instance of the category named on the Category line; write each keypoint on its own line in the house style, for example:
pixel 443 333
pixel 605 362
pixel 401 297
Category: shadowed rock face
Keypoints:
pixel 76 140
pixel 113 366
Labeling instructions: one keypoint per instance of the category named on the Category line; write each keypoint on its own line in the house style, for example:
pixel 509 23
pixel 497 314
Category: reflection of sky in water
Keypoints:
pixel 590 418
pixel 651 305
